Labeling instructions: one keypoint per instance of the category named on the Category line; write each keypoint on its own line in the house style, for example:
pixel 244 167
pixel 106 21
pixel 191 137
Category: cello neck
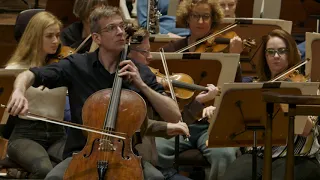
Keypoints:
pixel 111 116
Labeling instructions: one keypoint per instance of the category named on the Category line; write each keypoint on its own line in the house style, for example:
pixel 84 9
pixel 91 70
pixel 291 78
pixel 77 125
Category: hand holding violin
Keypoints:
pixel 206 96
pixel 236 45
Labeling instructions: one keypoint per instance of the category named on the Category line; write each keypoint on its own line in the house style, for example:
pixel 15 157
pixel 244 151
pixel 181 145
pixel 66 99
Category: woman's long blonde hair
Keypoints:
pixel 30 47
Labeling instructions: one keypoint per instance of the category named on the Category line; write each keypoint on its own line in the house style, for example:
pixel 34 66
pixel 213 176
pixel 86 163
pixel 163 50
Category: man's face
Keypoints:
pixel 112 34
pixel 141 52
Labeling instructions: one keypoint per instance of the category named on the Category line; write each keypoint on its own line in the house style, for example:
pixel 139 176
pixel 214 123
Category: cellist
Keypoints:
pixel 202 18
pixel 84 74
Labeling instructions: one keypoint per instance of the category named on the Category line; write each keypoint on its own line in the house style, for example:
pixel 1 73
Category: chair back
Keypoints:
pixel 22 20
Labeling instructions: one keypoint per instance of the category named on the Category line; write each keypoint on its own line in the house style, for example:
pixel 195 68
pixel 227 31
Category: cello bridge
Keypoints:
pixel 106 145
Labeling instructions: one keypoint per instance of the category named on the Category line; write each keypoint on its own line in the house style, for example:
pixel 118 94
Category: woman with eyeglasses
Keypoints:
pixel 280 54
pixel 202 18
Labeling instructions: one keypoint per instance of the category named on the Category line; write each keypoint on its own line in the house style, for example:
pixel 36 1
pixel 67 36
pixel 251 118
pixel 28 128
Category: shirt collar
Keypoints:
pixel 94 58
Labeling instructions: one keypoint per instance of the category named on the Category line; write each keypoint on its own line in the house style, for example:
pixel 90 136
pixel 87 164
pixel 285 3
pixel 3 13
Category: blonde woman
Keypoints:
pixel 31 139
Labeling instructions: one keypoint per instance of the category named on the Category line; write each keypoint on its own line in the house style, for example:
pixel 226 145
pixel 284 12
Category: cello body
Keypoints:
pixel 112 158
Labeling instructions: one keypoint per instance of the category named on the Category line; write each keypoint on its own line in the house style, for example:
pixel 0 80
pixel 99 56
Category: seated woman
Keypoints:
pixel 31 139
pixel 202 18
pixel 280 53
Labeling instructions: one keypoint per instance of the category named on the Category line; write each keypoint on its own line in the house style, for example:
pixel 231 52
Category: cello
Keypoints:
pixel 104 157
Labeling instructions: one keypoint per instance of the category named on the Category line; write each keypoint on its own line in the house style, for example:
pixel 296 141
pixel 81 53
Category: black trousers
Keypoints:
pixel 304 168
pixel 30 143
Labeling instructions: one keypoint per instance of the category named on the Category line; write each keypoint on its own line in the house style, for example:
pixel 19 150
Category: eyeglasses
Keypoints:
pixel 196 17
pixel 280 51
pixel 113 28
pixel 142 51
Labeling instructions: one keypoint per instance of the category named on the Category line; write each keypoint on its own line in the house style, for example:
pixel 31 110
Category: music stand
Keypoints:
pixel 313 53
pixel 255 29
pixel 159 40
pixel 7 77
pixel 204 68
pixel 246 124
pixel 302 17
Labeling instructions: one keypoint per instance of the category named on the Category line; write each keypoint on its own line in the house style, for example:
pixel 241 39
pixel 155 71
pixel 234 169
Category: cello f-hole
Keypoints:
pixel 123 150
pixel 91 149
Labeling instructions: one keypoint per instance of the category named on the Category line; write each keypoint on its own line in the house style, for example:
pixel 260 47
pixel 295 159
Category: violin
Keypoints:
pixel 292 74
pixel 65 51
pixel 105 157
pixel 218 42
pixel 184 86
pixel 296 76
pixel 221 43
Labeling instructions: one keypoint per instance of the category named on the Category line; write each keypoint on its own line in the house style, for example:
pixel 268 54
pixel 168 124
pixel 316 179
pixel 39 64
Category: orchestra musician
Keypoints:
pixel 202 20
pixel 31 139
pixel 77 32
pixel 201 17
pixel 229 8
pixel 84 74
pixel 281 53
pixel 141 53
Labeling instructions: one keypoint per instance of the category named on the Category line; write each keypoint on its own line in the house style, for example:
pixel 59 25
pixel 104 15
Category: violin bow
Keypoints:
pixel 230 26
pixel 69 124
pixel 82 43
pixel 165 67
pixel 290 70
